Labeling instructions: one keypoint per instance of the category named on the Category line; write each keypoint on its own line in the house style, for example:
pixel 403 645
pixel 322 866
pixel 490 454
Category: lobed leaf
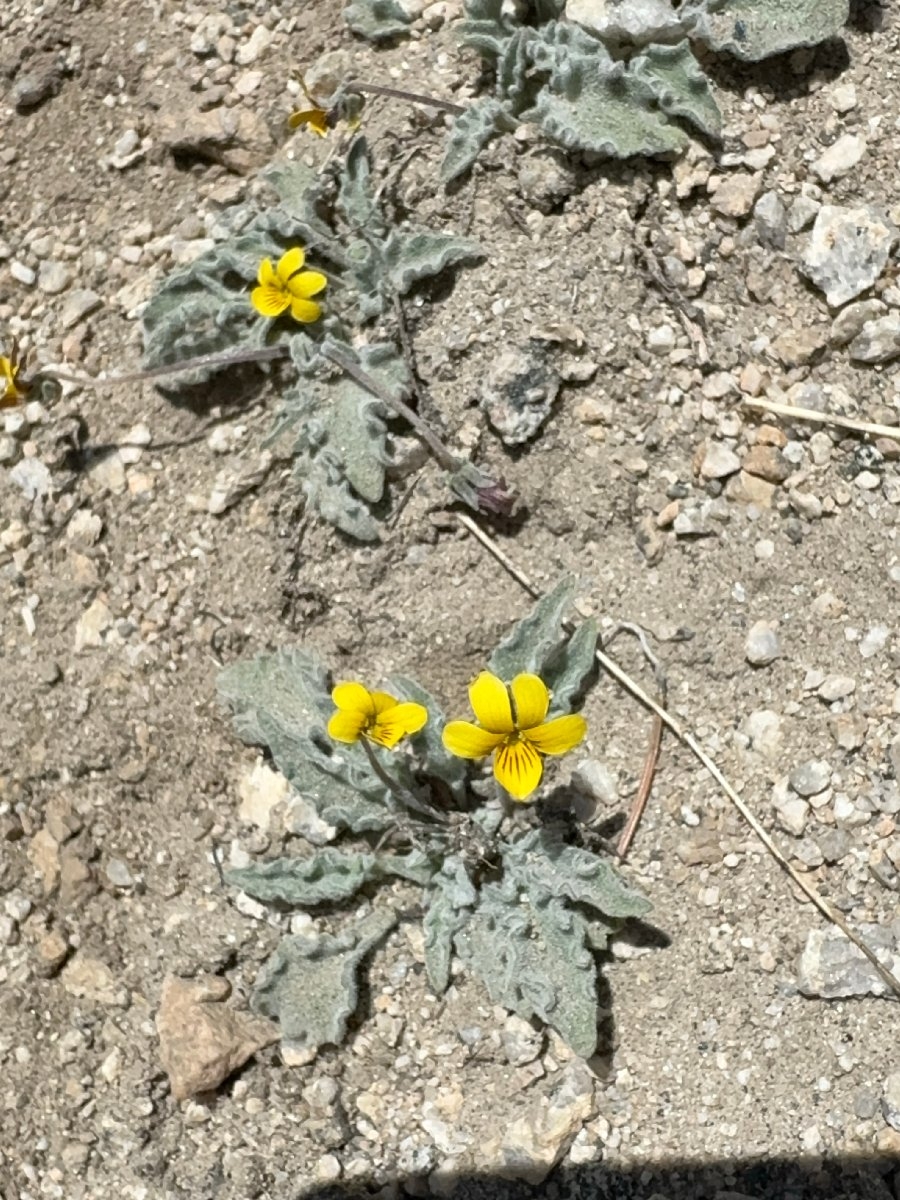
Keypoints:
pixel 532 641
pixel 310 985
pixel 471 132
pixel 411 257
pixel 569 666
pixel 449 901
pixel 677 81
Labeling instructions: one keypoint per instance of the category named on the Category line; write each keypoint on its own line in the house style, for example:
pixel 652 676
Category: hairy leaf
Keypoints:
pixel 532 641
pixel 681 89
pixel 567 668
pixel 328 876
pixel 534 960
pixel 428 741
pixel 355 200
pixel 282 701
pixel 309 985
pixel 449 900
pixel 756 29
pixel 546 867
pixel 411 257
pixel 471 132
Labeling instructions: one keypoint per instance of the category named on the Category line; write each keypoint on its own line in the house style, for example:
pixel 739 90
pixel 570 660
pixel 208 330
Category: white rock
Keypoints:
pixel 848 250
pixel 839 158
pixel 762 645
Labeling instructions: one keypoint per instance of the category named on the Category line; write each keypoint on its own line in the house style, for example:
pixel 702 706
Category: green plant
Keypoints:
pixel 343 406
pixel 619 79
pixel 519 901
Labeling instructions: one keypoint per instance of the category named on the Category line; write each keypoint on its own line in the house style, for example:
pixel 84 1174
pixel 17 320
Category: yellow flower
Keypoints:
pixel 315 119
pixel 287 286
pixel 374 715
pixel 11 392
pixel 514 727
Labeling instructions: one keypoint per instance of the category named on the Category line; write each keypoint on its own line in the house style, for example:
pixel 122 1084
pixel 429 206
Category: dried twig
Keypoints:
pixel 652 757
pixel 811 414
pixel 688 739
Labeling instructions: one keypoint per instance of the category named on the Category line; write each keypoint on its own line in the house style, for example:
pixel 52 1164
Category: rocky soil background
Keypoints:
pixel 144 540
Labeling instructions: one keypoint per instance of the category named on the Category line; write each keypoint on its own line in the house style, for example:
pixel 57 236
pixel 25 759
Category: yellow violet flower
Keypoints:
pixel 287 286
pixel 378 716
pixel 10 392
pixel 513 726
pixel 315 119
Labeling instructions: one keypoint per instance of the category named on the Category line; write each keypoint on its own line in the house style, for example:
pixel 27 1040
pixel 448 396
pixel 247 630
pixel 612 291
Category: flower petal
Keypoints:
pixel 518 768
pixel 383 701
pixel 559 735
pixel 307 283
pixel 354 698
pixel 468 741
pixel 398 722
pixel 290 263
pixel 490 703
pixel 315 119
pixel 305 311
pixel 530 700
pixel 270 300
pixel 347 726
pixel 267 274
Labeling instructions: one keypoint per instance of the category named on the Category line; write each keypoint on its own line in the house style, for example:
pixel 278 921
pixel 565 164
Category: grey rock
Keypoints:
pixel 802 213
pixel 811 777
pixel 719 462
pixel 848 250
pixel 762 645
pixel 53 277
pixel 878 341
pixel 836 687
pixel 791 812
pixel 834 845
pixel 867 1103
pixel 850 320
pixel 832 967
pixel 873 640
pixel 521 1042
pixel 839 158
pixel 593 779
pixel 79 304
pixel 763 730
pixel 809 854
pixel 32 477
pixel 546 179
pixel 37 85
pixel 770 219
pixel 518 394
pixel 890 1100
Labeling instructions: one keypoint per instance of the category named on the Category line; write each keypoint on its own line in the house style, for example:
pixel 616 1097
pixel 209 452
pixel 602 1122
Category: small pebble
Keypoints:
pixel 762 645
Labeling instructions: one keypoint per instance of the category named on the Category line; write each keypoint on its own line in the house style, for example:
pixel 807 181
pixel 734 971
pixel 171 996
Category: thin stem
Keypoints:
pixel 378 89
pixel 406 798
pixel 400 408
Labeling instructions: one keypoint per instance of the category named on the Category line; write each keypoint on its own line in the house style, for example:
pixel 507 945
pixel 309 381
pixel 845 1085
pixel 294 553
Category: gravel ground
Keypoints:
pixel 144 539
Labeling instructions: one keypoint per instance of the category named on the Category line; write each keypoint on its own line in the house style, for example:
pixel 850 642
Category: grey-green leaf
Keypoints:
pixel 682 90
pixel 535 960
pixel 546 867
pixel 448 903
pixel 282 701
pixel 529 645
pixel 756 29
pixel 471 132
pixel 411 257
pixel 327 876
pixel 428 741
pixel 310 985
pixel 568 668
pixel 355 200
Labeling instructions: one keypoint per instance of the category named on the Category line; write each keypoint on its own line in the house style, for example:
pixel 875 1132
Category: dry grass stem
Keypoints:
pixel 811 414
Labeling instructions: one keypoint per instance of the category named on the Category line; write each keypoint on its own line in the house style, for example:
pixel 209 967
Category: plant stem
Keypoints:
pixel 406 798
pixel 377 89
pixel 399 407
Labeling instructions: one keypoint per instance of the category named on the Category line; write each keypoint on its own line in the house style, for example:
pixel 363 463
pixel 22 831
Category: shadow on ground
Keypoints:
pixel 750 1179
